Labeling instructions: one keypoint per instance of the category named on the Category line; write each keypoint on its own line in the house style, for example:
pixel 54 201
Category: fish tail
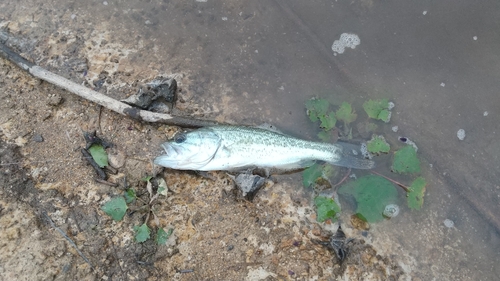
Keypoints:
pixel 355 163
pixel 351 157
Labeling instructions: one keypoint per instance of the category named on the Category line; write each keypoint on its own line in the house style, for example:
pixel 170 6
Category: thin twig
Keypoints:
pixel 345 177
pixel 106 182
pixel 51 222
pixel 98 98
pixel 406 188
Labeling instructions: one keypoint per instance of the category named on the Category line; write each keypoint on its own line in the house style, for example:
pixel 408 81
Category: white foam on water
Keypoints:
pixel 347 40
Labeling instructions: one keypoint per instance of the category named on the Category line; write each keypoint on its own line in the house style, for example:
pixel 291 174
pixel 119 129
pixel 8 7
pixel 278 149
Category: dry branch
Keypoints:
pixel 98 98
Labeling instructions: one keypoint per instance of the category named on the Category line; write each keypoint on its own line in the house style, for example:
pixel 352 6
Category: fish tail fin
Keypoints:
pixel 355 163
pixel 351 157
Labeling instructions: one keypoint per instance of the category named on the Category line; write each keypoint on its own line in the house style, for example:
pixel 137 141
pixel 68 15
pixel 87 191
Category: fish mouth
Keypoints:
pixel 169 149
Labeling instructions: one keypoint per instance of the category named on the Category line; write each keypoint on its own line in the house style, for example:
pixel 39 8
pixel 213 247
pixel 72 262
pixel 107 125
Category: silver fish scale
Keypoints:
pixel 267 148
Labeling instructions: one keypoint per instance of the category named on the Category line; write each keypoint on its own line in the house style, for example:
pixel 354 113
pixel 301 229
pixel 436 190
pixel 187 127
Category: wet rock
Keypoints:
pixel 249 184
pixel 158 96
pixel 37 138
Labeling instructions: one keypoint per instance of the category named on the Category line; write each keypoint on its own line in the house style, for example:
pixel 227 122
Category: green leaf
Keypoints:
pixel 406 161
pixel 142 233
pixel 328 171
pixel 328 121
pixel 115 208
pixel 378 145
pixel 377 109
pixel 372 194
pixel 326 208
pixel 162 187
pixel 147 178
pixel 311 174
pixel 346 113
pixel 162 236
pixel 316 108
pixel 325 136
pixel 384 115
pixel 99 155
pixel 416 195
pixel 130 195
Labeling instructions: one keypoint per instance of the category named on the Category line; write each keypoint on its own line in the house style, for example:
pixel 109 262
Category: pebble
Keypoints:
pixel 461 134
pixel 442 84
pixel 449 223
pixel 37 138
pixel 485 113
pixel 55 100
pixel 395 129
pixel 116 158
pixel 475 38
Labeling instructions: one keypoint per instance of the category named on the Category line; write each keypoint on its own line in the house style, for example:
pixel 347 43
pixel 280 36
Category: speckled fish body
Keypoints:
pixel 240 147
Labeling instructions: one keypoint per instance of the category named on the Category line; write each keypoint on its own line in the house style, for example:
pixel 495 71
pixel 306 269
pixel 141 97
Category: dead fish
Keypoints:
pixel 233 148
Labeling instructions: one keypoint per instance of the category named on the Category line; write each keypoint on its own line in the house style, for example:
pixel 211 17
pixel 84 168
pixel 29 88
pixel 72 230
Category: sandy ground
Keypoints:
pixel 217 235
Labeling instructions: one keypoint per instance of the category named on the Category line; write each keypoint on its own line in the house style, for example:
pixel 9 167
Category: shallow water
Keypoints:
pixel 260 61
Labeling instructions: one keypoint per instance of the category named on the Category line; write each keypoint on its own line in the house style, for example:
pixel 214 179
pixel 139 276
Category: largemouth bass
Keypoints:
pixel 234 148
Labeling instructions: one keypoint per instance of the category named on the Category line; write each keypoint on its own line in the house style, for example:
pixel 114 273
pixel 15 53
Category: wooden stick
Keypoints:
pixel 98 98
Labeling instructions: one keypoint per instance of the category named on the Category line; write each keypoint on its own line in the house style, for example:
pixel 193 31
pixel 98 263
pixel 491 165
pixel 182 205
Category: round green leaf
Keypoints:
pixel 328 121
pixel 326 208
pixel 372 194
pixel 378 145
pixel 406 161
pixel 162 236
pixel 99 155
pixel 374 109
pixel 416 195
pixel 142 233
pixel 115 208
pixel 346 113
pixel 311 174
pixel 316 108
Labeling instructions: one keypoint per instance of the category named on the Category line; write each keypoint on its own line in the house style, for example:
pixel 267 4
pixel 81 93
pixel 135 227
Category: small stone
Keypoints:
pixel 424 13
pixel 230 247
pixel 442 84
pixel 55 100
pixel 461 134
pixel 105 3
pixel 116 158
pixel 37 138
pixel 475 38
pixel 449 223
pixel 485 113
pixel 395 128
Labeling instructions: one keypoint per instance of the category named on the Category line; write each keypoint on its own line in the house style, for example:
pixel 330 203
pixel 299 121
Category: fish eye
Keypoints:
pixel 180 138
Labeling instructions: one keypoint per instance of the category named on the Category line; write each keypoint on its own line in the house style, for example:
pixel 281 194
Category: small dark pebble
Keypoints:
pixel 291 272
pixel 364 233
pixel 296 243
pixel 37 138
pixel 230 247
pixel 244 239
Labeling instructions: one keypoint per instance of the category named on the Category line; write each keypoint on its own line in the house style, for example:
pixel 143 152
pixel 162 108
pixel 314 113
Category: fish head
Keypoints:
pixel 189 151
